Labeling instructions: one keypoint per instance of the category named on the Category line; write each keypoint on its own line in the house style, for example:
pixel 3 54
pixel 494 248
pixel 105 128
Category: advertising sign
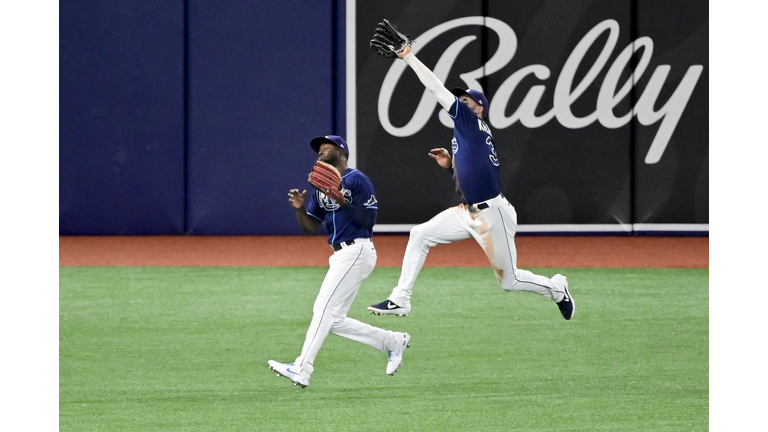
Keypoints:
pixel 599 125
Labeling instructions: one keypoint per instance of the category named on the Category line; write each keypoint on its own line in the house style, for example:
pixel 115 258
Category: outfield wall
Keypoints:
pixel 181 117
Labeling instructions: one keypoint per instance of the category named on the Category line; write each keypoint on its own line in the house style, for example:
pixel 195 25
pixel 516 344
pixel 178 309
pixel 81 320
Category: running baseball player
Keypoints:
pixel 485 214
pixel 344 203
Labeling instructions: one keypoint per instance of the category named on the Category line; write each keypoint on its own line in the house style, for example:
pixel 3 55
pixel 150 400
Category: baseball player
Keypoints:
pixel 485 214
pixel 349 220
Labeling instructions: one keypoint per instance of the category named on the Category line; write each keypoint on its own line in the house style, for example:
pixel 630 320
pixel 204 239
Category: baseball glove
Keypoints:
pixel 387 41
pixel 327 179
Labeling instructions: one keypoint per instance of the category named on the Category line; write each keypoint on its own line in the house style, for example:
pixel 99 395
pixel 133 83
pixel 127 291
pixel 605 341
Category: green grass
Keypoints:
pixel 161 349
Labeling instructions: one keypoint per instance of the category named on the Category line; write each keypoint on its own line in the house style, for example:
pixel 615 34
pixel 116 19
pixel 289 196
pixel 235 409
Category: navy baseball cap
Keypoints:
pixel 330 139
pixel 474 94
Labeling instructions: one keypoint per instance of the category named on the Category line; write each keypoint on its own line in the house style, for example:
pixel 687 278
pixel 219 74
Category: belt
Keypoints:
pixel 476 207
pixel 339 246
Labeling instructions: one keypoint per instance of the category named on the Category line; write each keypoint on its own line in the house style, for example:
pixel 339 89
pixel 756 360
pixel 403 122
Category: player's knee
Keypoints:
pixel 419 234
pixel 511 283
pixel 338 322
pixel 416 232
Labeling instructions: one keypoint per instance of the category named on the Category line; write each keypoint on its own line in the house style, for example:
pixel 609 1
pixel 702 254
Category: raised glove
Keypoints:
pixel 387 41
pixel 327 179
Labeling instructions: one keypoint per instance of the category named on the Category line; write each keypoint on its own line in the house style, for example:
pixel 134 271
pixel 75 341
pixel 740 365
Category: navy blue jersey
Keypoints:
pixel 476 167
pixel 358 190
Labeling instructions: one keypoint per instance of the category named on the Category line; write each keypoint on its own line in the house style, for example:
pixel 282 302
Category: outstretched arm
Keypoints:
pixel 428 78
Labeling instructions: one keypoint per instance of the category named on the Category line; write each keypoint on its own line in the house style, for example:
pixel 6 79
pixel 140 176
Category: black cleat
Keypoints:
pixel 567 305
pixel 388 308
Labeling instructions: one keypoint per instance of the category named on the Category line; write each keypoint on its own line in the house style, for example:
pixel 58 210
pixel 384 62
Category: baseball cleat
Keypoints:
pixel 567 305
pixel 396 354
pixel 290 371
pixel 387 307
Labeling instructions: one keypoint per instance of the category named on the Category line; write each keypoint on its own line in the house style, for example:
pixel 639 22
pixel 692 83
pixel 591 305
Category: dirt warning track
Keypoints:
pixel 532 251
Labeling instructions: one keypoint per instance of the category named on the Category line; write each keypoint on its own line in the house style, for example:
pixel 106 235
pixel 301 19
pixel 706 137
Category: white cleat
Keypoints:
pixel 396 354
pixel 290 371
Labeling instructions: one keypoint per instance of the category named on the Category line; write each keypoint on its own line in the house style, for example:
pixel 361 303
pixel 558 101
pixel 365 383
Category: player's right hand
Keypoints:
pixel 296 199
pixel 442 157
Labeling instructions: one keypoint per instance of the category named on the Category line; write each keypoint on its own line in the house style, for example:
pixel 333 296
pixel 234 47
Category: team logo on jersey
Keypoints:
pixel 328 203
pixel 371 202
pixel 454 145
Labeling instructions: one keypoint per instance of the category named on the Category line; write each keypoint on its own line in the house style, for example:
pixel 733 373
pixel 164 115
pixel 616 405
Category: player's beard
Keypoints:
pixel 332 158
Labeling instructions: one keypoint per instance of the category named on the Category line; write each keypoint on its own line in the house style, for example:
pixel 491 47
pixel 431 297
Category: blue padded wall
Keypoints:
pixel 121 104
pixel 260 87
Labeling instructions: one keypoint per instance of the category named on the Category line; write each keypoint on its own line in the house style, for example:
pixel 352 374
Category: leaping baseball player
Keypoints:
pixel 485 213
pixel 344 203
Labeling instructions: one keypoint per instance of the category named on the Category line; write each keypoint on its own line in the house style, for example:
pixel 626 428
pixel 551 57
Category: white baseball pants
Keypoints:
pixel 349 267
pixel 493 228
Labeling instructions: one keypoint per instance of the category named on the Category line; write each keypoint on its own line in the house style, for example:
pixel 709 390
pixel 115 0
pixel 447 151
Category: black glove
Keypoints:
pixel 387 41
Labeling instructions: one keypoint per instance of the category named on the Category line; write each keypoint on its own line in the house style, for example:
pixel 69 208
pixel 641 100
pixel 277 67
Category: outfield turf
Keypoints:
pixel 186 348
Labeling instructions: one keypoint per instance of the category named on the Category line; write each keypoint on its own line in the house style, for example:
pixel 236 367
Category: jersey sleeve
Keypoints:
pixel 462 114
pixel 364 194
pixel 313 207
pixel 452 111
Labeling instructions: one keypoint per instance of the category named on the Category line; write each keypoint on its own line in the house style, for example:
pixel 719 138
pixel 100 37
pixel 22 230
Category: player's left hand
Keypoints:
pixel 296 199
pixel 404 53
pixel 389 42
pixel 327 179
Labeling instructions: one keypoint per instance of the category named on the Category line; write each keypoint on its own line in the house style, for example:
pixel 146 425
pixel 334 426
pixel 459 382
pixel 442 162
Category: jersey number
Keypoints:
pixel 494 159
